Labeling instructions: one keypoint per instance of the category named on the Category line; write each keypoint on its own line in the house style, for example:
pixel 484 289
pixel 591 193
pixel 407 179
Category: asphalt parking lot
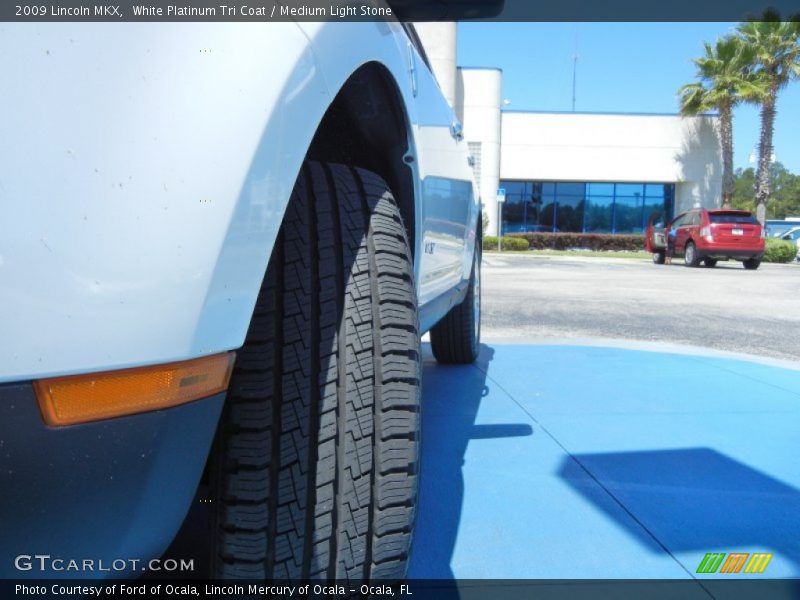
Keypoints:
pixel 726 308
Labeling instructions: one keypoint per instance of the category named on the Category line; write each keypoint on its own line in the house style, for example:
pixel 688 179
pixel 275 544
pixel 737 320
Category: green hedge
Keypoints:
pixel 509 243
pixel 779 251
pixel 590 241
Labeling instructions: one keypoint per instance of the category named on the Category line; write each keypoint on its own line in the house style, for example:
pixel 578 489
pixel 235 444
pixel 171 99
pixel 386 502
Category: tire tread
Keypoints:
pixel 316 459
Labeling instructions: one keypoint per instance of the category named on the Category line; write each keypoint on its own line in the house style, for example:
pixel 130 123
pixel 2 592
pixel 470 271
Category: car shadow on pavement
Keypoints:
pixel 451 399
pixel 723 265
pixel 692 500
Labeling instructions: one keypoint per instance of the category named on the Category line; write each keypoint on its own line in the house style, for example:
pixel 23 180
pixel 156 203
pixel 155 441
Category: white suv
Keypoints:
pixel 219 247
pixel 793 235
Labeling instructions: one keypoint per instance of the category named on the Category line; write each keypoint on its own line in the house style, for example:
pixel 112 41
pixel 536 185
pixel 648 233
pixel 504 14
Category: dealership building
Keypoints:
pixel 575 171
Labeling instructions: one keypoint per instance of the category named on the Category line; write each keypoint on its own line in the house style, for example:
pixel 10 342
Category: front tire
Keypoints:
pixel 315 465
pixel 456 339
pixel 690 256
pixel 659 258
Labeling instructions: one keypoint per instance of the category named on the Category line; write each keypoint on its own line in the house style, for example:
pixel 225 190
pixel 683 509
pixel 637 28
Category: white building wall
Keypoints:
pixel 440 41
pixel 479 97
pixel 625 147
pixel 572 146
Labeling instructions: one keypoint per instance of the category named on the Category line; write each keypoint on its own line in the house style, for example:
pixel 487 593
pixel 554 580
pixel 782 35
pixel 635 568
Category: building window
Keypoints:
pixel 570 202
pixel 590 207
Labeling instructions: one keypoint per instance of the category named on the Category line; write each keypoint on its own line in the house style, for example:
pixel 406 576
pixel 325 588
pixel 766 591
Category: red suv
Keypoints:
pixel 703 235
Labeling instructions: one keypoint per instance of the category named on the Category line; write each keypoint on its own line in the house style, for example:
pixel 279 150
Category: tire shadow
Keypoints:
pixel 451 398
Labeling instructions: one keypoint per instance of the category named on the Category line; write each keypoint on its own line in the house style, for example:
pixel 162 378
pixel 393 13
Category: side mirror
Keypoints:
pixel 445 10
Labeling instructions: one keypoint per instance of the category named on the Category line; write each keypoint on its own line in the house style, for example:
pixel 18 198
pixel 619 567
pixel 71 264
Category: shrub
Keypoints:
pixel 779 251
pixel 515 243
pixel 589 241
pixel 509 243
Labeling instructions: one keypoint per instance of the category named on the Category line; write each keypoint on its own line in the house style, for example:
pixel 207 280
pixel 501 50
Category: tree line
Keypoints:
pixel 751 65
pixel 784 191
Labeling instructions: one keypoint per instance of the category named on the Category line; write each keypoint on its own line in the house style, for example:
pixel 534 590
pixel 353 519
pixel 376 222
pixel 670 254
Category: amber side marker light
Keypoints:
pixel 95 396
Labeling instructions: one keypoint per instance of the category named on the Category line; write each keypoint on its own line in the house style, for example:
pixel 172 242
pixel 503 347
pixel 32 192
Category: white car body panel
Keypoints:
pixel 145 170
pixel 439 157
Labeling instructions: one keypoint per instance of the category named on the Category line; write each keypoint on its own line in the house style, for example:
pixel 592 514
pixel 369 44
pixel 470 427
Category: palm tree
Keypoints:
pixel 776 61
pixel 725 81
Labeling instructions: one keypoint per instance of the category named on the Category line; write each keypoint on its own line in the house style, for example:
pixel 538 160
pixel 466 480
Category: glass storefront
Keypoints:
pixel 543 206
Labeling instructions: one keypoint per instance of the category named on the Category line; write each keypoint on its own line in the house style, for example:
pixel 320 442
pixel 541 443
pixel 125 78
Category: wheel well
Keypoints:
pixel 366 126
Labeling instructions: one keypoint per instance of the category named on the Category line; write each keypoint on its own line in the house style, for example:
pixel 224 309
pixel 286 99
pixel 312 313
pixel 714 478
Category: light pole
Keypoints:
pixel 501 197
pixel 638 196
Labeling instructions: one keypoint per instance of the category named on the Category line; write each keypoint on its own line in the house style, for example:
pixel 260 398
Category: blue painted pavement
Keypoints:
pixel 553 461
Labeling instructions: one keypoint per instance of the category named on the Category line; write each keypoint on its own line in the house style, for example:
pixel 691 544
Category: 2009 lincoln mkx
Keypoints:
pixel 212 270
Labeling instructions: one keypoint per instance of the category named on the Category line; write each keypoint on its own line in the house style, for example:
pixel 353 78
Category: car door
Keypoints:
pixel 449 202
pixel 672 230
pixel 683 232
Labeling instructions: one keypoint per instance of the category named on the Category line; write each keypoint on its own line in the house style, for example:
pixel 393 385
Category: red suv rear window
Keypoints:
pixel 722 217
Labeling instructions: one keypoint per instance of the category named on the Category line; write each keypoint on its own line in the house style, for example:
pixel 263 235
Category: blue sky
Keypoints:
pixel 622 67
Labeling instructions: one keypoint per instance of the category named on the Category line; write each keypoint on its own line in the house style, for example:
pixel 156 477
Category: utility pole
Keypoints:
pixel 575 70
pixel 501 198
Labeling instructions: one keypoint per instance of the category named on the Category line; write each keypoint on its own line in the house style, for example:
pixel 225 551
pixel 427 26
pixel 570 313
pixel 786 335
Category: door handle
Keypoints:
pixel 412 68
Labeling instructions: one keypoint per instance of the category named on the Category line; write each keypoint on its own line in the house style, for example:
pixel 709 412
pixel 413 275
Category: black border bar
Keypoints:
pixel 260 11
pixel 474 589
